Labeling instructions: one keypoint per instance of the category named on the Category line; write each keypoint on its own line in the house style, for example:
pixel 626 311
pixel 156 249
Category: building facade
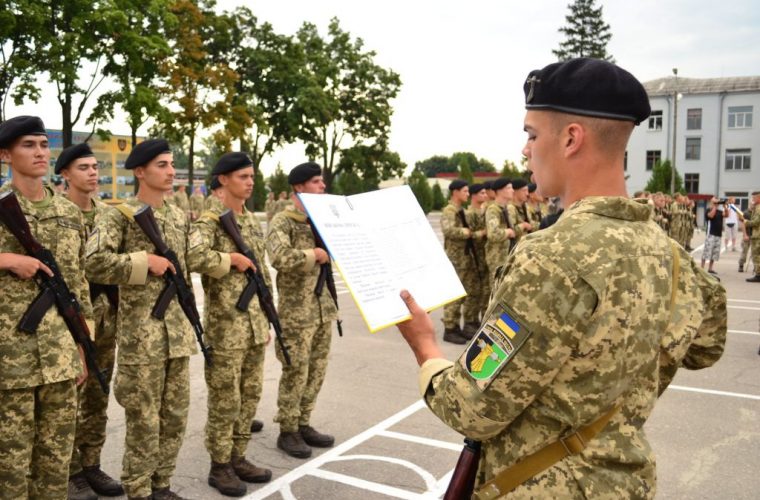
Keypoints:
pixel 716 135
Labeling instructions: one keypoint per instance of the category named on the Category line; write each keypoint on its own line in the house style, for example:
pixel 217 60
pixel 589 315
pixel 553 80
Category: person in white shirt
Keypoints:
pixel 732 222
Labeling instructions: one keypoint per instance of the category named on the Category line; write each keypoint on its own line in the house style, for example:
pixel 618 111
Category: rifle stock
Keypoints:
pixel 462 482
pixel 256 283
pixel 53 289
pixel 175 282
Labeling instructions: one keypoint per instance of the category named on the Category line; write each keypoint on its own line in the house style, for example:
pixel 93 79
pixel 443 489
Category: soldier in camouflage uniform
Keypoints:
pixel 676 226
pixel 269 206
pixel 37 379
pixel 537 208
pixel 305 316
pixel 753 224
pixel 458 244
pixel 282 203
pixel 181 201
pixel 566 367
pixel 196 203
pixel 238 338
pixel 500 226
pixel 476 218
pixel 78 166
pixel 520 195
pixel 153 378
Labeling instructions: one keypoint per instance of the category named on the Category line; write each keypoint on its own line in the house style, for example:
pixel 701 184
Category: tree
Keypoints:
pixel 259 191
pixel 511 171
pixel 278 182
pixel 348 183
pixel 586 33
pixel 371 164
pixel 660 180
pixel 465 173
pixel 349 98
pixel 439 201
pixel 435 165
pixel 418 183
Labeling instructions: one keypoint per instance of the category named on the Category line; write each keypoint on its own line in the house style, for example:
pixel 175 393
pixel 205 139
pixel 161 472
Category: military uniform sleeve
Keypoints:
pixel 514 218
pixel 201 257
pixel 496 232
pixel 451 227
pixel 710 339
pixel 549 307
pixel 82 288
pixel 104 262
pixel 283 255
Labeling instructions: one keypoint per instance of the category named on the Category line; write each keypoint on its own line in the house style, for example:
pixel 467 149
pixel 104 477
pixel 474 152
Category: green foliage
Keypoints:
pixel 278 182
pixel 660 180
pixel 465 173
pixel 259 191
pixel 448 164
pixel 511 171
pixel 370 164
pixel 439 201
pixel 348 183
pixel 586 33
pixel 418 183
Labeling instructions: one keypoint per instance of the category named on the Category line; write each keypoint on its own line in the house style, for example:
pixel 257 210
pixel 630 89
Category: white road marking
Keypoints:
pixel 745 332
pixel 745 308
pixel 743 300
pixel 421 440
pixel 714 392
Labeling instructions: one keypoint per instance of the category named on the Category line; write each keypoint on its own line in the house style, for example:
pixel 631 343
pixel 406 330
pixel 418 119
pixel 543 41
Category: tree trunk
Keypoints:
pixel 133 129
pixel 67 132
pixel 190 155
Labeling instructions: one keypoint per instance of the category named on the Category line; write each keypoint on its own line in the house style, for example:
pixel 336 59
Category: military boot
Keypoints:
pixel 257 425
pixel 314 438
pixel 223 478
pixel 101 483
pixel 248 472
pixel 293 444
pixel 166 494
pixel 453 335
pixel 741 268
pixel 470 329
pixel 754 279
pixel 79 489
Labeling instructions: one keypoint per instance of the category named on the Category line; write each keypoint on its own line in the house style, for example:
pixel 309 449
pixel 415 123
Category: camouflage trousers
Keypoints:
pixel 234 385
pixel 755 248
pixel 156 399
pixel 300 382
pixel 496 256
pixel 93 402
pixel 36 440
pixel 746 244
pixel 468 306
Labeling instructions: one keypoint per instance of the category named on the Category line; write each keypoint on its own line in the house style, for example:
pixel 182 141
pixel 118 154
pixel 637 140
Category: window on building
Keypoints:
pixel 691 182
pixel 694 119
pixel 742 199
pixel 693 148
pixel 655 120
pixel 739 116
pixel 738 159
pixel 652 158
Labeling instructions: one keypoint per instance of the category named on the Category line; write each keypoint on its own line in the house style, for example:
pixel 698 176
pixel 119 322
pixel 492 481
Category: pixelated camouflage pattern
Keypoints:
pixel 455 237
pixel 281 205
pixel 49 355
pixel 155 399
pixel 305 318
pixel 213 202
pixel 36 441
pixel 520 214
pixel 181 201
pixel 754 224
pixel 497 243
pixel 142 339
pixel 234 384
pixel 477 222
pixel 269 208
pixel 593 293
pixel 196 204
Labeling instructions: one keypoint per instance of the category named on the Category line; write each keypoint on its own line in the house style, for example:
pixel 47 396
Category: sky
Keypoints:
pixel 462 64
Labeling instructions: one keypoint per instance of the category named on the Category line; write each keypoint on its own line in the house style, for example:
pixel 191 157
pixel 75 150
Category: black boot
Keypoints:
pixel 754 279
pixel 293 444
pixel 79 489
pixel 470 329
pixel 257 425
pixel 102 483
pixel 166 494
pixel 314 438
pixel 454 336
pixel 223 478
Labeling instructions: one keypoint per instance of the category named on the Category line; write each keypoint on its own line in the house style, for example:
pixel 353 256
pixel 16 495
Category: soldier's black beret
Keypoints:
pixel 457 184
pixel 72 153
pixel 18 126
pixel 215 184
pixel 488 185
pixel 531 187
pixel 587 87
pixel 303 173
pixel 229 162
pixel 755 193
pixel 476 188
pixel 519 184
pixel 499 183
pixel 144 152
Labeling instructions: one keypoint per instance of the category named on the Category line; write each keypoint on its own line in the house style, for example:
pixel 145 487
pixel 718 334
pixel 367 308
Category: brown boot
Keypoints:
pixel 101 483
pixel 314 438
pixel 257 425
pixel 293 444
pixel 453 335
pixel 248 472
pixel 223 478
pixel 79 489
pixel 166 494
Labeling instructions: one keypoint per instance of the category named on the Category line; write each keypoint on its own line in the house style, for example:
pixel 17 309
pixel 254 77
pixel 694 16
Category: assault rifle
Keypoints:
pixel 325 275
pixel 175 282
pixel 53 289
pixel 470 245
pixel 462 481
pixel 256 283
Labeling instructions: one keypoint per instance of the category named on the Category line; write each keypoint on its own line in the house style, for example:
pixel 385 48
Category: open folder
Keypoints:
pixel 381 242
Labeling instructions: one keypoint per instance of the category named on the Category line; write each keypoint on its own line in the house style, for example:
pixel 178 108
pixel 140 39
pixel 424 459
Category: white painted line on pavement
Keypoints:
pixel 743 300
pixel 421 440
pixel 745 332
pixel 430 481
pixel 714 392
pixel 365 485
pixel 745 308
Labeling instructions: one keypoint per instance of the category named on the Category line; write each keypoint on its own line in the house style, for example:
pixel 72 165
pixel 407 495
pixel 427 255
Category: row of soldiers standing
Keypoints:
pixel 676 216
pixel 54 432
pixel 478 240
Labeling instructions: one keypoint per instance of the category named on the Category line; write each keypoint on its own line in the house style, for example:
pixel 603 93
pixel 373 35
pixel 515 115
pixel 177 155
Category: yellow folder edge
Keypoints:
pixel 378 328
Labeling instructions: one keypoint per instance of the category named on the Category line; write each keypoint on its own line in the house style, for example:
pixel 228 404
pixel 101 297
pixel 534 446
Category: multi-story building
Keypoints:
pixel 715 136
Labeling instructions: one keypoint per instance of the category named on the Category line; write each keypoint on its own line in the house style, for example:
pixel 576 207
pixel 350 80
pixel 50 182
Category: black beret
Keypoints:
pixel 499 183
pixel 215 184
pixel 531 187
pixel 519 184
pixel 755 193
pixel 18 126
pixel 587 87
pixel 303 173
pixel 457 184
pixel 229 162
pixel 476 188
pixel 72 153
pixel 488 185
pixel 144 152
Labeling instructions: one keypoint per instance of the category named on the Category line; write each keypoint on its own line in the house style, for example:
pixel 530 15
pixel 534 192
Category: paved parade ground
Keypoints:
pixel 705 429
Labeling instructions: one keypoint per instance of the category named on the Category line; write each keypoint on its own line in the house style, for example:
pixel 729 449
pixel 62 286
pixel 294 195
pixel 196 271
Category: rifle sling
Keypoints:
pixel 512 477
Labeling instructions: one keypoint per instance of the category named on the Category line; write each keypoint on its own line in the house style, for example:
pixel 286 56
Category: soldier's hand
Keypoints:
pixel 511 233
pixel 321 256
pixel 23 266
pixel 82 377
pixel 526 226
pixel 241 262
pixel 158 265
pixel 418 331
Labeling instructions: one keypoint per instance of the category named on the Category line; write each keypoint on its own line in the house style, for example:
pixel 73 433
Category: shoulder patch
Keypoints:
pixel 126 211
pixel 210 214
pixel 491 349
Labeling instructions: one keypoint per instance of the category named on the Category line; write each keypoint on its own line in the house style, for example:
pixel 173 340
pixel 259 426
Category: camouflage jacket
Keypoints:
pixel 521 215
pixel 455 235
pixel 575 327
pixel 102 310
pixel 498 244
pixel 226 327
pixel 753 224
pixel 196 203
pixel 212 202
pixel 290 243
pixel 117 253
pixel 49 355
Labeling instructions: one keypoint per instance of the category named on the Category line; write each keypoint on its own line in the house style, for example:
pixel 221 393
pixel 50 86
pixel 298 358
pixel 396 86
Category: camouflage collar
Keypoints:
pixel 293 213
pixel 616 207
